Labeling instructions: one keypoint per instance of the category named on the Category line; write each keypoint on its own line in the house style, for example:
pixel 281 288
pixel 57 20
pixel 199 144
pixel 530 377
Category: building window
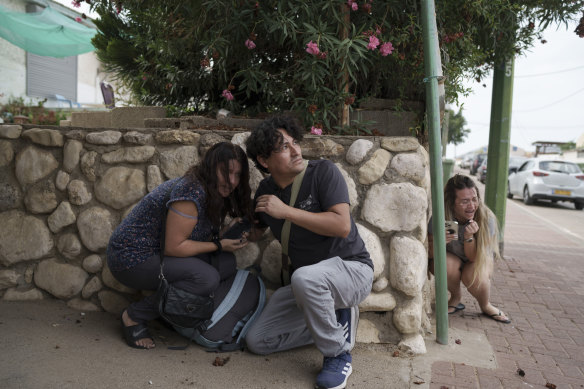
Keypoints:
pixel 49 76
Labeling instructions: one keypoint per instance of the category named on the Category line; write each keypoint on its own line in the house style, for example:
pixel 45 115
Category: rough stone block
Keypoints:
pixel 162 123
pixel 101 119
pixel 133 117
pixel 389 123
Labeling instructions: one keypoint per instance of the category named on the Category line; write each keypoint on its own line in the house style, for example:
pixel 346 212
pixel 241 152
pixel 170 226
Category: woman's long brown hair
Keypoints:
pixel 239 203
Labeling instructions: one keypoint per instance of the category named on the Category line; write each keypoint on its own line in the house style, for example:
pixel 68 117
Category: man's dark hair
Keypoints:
pixel 266 138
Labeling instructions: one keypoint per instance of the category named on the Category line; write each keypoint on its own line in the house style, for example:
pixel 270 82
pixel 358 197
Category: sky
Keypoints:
pixel 84 8
pixel 548 95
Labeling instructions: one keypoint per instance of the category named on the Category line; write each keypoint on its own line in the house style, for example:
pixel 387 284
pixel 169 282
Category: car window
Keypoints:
pixel 559 167
pixel 516 161
pixel 527 165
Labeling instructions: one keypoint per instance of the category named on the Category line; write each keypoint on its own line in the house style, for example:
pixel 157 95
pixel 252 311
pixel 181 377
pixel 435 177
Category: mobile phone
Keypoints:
pixel 451 226
pixel 237 229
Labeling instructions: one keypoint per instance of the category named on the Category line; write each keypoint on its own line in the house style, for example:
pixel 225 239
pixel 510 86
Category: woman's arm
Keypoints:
pixel 470 241
pixel 179 228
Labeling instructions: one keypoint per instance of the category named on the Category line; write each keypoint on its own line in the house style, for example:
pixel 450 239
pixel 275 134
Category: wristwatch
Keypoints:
pixel 469 239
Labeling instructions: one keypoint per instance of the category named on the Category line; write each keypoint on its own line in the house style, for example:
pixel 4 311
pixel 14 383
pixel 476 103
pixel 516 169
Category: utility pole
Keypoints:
pixel 433 75
pixel 499 140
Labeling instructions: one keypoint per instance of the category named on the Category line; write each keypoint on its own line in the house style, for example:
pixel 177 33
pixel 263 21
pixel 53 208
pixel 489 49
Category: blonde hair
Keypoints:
pixel 488 235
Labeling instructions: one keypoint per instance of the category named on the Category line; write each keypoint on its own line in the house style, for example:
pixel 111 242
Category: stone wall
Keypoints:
pixel 64 190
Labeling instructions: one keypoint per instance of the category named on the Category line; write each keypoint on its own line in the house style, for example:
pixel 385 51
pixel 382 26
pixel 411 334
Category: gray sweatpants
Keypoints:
pixel 304 312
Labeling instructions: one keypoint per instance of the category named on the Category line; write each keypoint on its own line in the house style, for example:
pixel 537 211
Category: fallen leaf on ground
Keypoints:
pixel 458 341
pixel 396 353
pixel 419 382
pixel 521 372
pixel 220 361
pixel 550 385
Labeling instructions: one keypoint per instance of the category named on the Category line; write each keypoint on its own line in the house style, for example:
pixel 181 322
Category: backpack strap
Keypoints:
pixel 231 297
pixel 257 312
pixel 285 234
pixel 239 343
pixel 242 326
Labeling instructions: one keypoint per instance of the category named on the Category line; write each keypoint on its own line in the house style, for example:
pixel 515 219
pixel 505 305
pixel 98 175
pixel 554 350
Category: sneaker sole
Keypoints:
pixel 342 384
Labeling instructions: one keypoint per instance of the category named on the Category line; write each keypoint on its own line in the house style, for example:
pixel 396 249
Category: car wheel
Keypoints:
pixel 579 206
pixel 509 194
pixel 527 199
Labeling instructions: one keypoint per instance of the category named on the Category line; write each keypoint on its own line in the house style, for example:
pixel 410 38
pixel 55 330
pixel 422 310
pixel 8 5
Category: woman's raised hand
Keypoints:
pixel 233 244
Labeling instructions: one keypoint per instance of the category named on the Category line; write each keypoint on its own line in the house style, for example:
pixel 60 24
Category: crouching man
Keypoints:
pixel 331 270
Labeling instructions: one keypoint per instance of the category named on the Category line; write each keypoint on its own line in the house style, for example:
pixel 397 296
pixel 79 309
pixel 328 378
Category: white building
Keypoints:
pixel 35 78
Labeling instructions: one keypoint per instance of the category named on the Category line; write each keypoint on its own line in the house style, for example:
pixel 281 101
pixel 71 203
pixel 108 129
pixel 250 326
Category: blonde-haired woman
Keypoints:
pixel 470 252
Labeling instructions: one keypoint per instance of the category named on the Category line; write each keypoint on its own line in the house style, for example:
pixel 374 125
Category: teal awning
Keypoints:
pixel 47 33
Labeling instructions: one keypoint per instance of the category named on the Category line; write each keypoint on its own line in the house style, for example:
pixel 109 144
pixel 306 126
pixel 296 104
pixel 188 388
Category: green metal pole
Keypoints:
pixel 499 143
pixel 432 69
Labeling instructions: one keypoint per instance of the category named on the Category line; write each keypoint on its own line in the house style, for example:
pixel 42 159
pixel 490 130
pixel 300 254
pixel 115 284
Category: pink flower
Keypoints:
pixel 322 54
pixel 373 42
pixel 76 3
pixel 227 94
pixel 249 44
pixel 386 49
pixel 312 48
pixel 78 19
pixel 367 7
pixel 353 4
pixel 315 130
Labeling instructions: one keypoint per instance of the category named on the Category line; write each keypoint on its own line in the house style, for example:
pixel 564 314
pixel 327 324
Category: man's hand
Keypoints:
pixel 271 205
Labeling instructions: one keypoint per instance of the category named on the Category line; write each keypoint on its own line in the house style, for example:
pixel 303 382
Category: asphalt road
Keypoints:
pixel 561 216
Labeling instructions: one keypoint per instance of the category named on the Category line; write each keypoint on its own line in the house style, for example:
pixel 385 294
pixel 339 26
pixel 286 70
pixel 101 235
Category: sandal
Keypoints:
pixel 457 308
pixel 134 333
pixel 498 314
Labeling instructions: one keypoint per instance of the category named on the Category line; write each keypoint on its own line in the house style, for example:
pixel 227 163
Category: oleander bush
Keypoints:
pixel 312 57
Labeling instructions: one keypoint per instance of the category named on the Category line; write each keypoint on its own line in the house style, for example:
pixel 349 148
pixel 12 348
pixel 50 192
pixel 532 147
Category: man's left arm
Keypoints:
pixel 334 218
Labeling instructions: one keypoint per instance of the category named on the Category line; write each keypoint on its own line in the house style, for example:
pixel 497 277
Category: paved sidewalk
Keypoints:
pixel 539 284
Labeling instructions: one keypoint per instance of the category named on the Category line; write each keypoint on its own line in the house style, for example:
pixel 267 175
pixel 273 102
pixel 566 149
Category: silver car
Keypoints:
pixel 547 179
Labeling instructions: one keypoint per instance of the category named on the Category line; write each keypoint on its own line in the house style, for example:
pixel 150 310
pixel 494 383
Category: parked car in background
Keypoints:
pixel 547 179
pixel 466 161
pixel 482 171
pixel 476 162
pixel 516 162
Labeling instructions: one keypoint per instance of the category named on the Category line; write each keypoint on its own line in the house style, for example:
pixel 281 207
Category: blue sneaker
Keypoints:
pixel 335 371
pixel 348 318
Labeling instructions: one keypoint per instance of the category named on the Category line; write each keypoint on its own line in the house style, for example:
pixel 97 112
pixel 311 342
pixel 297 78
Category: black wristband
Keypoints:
pixel 217 243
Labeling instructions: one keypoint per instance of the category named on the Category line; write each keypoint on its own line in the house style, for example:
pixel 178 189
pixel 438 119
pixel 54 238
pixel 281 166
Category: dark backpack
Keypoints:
pixel 239 300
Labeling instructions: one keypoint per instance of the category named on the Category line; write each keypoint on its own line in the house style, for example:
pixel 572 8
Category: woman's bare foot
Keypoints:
pixel 455 306
pixel 132 335
pixel 496 314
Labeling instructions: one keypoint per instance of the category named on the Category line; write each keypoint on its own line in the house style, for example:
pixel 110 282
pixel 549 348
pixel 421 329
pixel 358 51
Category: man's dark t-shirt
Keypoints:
pixel 322 187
